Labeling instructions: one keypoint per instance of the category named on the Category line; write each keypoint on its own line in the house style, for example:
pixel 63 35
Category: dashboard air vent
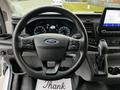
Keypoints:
pixel 89 27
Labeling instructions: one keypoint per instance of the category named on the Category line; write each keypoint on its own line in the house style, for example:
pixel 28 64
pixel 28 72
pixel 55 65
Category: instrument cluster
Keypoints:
pixel 60 26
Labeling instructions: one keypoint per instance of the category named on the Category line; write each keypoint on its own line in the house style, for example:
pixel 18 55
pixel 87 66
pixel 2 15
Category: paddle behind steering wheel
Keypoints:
pixel 50 48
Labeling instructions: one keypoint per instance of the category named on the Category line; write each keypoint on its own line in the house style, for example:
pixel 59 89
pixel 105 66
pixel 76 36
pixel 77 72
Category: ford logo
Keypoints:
pixel 51 41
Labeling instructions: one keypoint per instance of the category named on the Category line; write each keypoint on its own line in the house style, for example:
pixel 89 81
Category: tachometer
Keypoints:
pixel 39 30
pixel 64 30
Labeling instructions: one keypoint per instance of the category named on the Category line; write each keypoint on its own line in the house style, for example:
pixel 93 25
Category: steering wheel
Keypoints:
pixel 51 48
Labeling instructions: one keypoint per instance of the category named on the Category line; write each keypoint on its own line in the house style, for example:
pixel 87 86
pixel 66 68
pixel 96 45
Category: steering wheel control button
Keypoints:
pixel 73 46
pixel 27 44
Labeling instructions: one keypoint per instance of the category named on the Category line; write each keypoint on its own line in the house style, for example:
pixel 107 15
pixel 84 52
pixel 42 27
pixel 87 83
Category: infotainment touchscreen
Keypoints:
pixel 112 18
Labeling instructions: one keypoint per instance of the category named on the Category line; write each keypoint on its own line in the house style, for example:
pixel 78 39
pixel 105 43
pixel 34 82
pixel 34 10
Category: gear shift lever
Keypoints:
pixel 102 55
pixel 102 47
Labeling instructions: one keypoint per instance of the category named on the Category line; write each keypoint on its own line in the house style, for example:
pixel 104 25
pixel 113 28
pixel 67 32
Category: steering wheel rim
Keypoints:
pixel 20 26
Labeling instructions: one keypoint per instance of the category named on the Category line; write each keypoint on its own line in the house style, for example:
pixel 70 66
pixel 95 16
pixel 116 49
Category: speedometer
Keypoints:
pixel 64 30
pixel 39 30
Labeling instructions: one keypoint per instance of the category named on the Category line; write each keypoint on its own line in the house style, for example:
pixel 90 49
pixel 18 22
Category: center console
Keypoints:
pixel 109 30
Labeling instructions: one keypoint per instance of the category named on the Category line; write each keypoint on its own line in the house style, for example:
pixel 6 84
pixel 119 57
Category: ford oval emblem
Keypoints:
pixel 51 41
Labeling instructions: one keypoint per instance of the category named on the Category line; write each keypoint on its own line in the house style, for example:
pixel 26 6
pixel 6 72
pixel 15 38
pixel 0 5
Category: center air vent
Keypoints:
pixel 89 27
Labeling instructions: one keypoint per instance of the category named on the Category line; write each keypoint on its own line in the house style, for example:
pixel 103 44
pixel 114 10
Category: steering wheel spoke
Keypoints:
pixel 27 43
pixel 75 48
pixel 70 55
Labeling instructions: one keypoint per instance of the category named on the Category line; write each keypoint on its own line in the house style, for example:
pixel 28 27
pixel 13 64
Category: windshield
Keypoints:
pixel 21 7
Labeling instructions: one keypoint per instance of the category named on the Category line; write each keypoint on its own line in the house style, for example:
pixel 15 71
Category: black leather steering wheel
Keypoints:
pixel 50 48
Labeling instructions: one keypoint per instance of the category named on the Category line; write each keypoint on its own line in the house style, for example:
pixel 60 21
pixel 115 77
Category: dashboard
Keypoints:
pixel 106 67
pixel 55 23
